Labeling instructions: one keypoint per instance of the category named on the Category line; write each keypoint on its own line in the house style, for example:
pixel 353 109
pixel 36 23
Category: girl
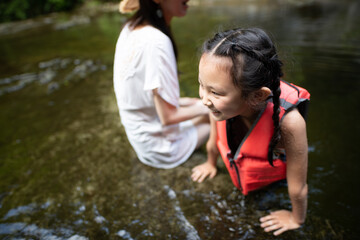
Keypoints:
pixel 162 128
pixel 259 120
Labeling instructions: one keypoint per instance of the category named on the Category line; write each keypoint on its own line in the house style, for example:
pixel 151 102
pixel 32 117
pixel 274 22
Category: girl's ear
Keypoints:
pixel 260 96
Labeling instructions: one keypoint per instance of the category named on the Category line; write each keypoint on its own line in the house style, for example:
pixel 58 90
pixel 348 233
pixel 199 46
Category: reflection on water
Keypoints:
pixel 68 172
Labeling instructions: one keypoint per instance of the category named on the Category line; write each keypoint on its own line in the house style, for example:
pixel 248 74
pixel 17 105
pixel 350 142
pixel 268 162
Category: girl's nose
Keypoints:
pixel 203 96
pixel 205 100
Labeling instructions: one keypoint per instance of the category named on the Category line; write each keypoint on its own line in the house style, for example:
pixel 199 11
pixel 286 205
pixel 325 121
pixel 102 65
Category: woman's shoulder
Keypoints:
pixel 154 40
pixel 155 35
pixel 148 31
pixel 148 39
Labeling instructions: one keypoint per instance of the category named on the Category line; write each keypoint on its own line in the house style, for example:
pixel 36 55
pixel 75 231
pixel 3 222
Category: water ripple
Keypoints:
pixel 53 74
pixel 191 232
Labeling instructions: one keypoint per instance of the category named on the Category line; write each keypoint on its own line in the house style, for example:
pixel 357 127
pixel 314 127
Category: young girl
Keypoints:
pixel 260 130
pixel 163 128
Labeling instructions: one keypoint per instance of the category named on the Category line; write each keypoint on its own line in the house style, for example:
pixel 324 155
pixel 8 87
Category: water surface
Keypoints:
pixel 67 170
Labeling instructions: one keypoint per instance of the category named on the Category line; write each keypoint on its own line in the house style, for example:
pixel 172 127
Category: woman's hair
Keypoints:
pixel 255 65
pixel 147 13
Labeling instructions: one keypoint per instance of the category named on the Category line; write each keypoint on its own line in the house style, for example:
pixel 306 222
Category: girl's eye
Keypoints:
pixel 215 93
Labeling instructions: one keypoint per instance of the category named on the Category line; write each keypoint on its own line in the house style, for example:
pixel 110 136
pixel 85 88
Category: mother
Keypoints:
pixel 163 128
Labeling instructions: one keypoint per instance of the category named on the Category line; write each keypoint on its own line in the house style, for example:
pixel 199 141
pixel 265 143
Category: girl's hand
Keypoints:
pixel 200 172
pixel 279 221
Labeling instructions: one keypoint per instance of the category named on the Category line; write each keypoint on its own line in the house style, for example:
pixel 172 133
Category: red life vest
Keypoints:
pixel 249 167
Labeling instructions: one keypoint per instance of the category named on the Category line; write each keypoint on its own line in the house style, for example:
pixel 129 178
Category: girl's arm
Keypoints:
pixel 296 148
pixel 293 133
pixel 200 172
pixel 170 114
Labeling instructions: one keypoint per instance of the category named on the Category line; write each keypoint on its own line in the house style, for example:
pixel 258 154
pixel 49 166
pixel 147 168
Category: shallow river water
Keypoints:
pixel 67 170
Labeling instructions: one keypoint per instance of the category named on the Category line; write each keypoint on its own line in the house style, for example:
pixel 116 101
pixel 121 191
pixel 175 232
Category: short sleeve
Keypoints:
pixel 161 71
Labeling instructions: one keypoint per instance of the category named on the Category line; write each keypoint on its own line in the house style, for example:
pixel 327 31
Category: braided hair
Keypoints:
pixel 255 64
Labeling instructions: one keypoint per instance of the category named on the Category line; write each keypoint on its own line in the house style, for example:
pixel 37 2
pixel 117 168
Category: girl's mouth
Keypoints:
pixel 214 111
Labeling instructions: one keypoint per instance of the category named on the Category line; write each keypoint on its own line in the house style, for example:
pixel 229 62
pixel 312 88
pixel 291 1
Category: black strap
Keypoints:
pixel 232 164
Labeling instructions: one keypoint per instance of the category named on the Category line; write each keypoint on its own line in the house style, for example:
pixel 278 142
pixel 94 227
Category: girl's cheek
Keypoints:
pixel 221 105
pixel 216 104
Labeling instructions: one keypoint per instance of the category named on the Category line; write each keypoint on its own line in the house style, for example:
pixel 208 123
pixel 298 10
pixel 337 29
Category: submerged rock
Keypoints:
pixel 53 74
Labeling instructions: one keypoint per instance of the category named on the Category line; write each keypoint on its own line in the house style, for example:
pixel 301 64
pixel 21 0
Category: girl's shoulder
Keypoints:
pixel 293 123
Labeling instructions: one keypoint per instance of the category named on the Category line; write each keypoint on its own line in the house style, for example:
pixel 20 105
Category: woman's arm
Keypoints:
pixel 208 168
pixel 187 101
pixel 293 133
pixel 170 114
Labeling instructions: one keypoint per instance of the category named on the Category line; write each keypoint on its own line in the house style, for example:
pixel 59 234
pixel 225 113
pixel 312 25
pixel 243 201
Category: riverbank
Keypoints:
pixel 60 20
pixel 91 8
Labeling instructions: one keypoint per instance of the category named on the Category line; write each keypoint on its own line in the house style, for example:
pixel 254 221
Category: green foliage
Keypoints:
pixel 11 10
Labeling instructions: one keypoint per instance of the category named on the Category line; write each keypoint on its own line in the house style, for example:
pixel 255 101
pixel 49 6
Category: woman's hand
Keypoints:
pixel 279 221
pixel 200 172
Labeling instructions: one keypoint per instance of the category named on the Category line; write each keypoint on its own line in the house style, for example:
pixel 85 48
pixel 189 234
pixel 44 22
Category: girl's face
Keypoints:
pixel 173 8
pixel 217 90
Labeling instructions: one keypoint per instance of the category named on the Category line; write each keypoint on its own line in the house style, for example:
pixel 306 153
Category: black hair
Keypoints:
pixel 147 13
pixel 255 64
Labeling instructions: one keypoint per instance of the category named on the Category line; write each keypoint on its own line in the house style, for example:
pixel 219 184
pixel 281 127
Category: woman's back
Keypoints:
pixel 144 61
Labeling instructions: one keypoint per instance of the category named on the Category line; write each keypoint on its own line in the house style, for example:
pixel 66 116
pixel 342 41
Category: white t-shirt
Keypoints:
pixel 145 60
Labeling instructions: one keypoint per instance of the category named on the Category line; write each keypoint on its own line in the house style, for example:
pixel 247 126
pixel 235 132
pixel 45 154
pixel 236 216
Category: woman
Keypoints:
pixel 163 128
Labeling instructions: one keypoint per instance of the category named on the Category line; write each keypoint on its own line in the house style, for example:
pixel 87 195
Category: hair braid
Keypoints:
pixel 275 88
